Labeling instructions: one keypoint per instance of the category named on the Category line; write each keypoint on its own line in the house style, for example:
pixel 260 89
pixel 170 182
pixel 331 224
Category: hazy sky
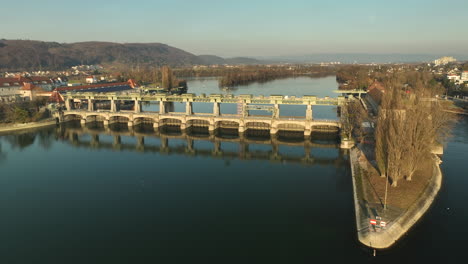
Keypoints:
pixel 248 27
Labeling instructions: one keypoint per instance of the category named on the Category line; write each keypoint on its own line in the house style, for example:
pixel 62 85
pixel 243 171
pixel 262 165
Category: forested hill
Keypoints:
pixel 29 54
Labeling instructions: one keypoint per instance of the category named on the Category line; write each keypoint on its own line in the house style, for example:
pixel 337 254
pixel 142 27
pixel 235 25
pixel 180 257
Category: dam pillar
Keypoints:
pixel 216 109
pixel 130 123
pixel 137 106
pixel 241 129
pixel 273 130
pixel 106 122
pixel 276 112
pixel 188 108
pixel 113 107
pixel 68 104
pixel 162 107
pixel 212 126
pixel 309 113
pixel 90 105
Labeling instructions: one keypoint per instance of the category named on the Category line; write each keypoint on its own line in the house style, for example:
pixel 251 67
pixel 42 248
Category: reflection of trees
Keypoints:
pixel 46 138
pixel 2 155
pixel 21 141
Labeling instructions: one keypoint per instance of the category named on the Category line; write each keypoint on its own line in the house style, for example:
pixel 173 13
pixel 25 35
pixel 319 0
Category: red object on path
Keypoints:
pixel 373 222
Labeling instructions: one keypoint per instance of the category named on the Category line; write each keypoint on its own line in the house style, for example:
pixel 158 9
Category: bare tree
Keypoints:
pixel 352 116
pixel 409 125
pixel 167 77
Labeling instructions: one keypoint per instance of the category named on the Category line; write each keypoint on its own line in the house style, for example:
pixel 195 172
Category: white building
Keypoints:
pixel 454 77
pixel 91 79
pixel 464 76
pixel 444 60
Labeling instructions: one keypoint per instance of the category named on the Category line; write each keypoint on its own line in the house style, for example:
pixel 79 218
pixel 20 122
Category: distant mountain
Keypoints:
pixel 243 60
pixel 28 54
pixel 212 60
pixel 359 58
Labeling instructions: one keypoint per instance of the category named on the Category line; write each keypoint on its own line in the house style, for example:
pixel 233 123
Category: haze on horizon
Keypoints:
pixel 248 28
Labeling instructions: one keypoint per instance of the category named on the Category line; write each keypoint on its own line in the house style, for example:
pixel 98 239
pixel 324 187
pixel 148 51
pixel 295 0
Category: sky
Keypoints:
pixel 248 27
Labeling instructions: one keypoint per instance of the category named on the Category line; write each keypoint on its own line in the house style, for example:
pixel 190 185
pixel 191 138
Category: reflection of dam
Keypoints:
pixel 89 137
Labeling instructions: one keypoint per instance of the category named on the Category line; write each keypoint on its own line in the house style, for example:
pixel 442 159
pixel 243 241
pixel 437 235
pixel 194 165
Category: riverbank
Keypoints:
pixel 25 126
pixel 397 221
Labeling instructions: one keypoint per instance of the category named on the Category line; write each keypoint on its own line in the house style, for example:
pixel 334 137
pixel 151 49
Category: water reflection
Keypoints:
pixel 3 155
pixel 224 143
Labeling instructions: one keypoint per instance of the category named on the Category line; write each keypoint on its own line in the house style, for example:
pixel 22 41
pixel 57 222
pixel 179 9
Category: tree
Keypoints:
pixel 352 116
pixel 167 77
pixel 20 115
pixel 408 126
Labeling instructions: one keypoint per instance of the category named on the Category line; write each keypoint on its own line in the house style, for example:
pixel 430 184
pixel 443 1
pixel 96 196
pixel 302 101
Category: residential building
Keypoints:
pixel 30 91
pixel 453 77
pixel 24 88
pixel 464 76
pixel 91 79
pixel 444 61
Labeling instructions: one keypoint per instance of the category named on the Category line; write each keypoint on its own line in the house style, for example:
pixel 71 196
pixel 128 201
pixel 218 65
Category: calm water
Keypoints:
pixel 320 87
pixel 95 195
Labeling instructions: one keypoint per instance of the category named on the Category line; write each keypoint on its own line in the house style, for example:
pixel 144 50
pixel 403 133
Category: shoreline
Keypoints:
pixel 26 126
pixel 402 224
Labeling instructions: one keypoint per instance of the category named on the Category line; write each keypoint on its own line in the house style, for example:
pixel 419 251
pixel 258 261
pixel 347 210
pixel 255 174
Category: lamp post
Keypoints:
pixel 386 188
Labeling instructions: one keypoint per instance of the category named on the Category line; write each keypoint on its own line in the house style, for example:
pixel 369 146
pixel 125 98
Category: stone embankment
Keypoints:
pixel 25 126
pixel 400 222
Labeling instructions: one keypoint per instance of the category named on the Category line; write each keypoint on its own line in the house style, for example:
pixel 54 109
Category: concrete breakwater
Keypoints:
pixel 399 225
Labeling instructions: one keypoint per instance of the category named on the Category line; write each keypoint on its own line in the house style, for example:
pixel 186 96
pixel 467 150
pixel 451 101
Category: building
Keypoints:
pixel 26 88
pixel 464 76
pixel 91 79
pixel 458 78
pixel 453 77
pixel 100 87
pixel 30 91
pixel 376 91
pixel 444 61
pixel 9 92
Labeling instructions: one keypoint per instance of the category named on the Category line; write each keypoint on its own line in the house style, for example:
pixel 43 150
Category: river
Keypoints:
pixel 74 195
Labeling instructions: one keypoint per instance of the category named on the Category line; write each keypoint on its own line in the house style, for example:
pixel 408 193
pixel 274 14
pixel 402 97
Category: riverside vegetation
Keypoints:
pixel 23 112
